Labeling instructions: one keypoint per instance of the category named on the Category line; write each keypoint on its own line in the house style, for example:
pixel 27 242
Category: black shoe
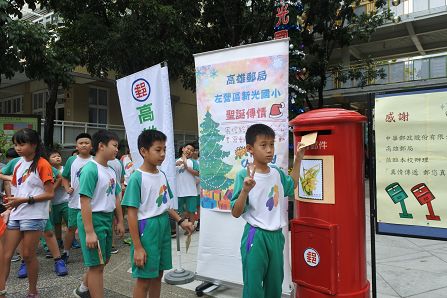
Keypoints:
pixel 80 294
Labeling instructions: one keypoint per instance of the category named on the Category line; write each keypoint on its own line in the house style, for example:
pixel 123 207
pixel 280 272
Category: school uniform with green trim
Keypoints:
pixel 50 225
pixel 186 187
pixel 262 242
pixel 9 170
pixel 151 195
pixel 72 172
pixel 98 183
pixel 59 205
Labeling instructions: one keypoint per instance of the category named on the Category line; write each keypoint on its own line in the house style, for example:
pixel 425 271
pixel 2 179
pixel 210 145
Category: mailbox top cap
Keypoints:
pixel 326 116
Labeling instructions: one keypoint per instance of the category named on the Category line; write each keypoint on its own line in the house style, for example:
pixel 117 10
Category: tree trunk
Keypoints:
pixel 50 114
pixel 320 94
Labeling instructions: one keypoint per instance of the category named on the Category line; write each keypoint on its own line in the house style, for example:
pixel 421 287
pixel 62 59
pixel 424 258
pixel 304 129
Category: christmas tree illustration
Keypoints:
pixel 213 169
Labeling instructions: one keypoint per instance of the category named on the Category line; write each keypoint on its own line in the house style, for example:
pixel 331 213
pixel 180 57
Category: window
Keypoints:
pixel 97 99
pixel 39 100
pixel 12 105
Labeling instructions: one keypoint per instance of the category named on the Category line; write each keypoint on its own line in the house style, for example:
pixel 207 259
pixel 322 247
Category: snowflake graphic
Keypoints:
pixel 200 73
pixel 277 62
pixel 213 73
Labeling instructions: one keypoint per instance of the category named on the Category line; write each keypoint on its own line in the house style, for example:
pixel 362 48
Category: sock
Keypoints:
pixel 66 252
pixel 83 288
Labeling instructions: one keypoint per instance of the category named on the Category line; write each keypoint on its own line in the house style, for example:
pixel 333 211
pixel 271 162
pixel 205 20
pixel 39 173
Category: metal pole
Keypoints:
pixel 372 193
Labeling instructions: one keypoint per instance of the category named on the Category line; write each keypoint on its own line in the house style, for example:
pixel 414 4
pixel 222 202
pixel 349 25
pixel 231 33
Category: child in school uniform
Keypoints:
pixel 187 170
pixel 260 197
pixel 70 182
pixel 100 203
pixel 33 182
pixel 148 201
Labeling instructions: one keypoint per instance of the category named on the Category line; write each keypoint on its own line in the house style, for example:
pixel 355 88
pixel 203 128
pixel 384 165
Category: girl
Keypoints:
pixel 33 179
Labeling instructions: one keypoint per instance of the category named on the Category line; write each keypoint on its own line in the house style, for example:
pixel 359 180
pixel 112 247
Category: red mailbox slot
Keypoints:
pixel 328 232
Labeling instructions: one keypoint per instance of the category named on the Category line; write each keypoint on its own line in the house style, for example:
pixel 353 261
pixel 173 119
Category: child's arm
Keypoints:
pixel 295 174
pixel 119 215
pixel 241 201
pixel 48 194
pixel 185 224
pixel 66 185
pixel 5 177
pixel 192 171
pixel 91 239
pixel 140 255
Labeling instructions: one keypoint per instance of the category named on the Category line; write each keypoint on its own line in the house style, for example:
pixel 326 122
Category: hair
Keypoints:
pixel 30 136
pixel 103 136
pixel 148 137
pixel 11 153
pixel 258 130
pixel 53 151
pixel 83 135
pixel 180 151
pixel 192 144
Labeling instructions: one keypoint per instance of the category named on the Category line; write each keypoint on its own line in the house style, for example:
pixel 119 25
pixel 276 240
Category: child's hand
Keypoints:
pixel 249 181
pixel 119 229
pixel 69 190
pixel 13 202
pixel 139 257
pixel 91 240
pixel 179 162
pixel 300 151
pixel 187 226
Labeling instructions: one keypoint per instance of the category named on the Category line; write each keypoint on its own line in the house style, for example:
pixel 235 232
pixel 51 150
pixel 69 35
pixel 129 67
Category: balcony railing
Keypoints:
pixel 65 132
pixel 408 70
pixel 406 7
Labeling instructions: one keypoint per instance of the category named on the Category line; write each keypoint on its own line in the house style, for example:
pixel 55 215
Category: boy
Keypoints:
pixel 118 167
pixel 99 195
pixel 59 205
pixel 70 182
pixel 195 156
pixel 260 196
pixel 148 200
pixel 187 170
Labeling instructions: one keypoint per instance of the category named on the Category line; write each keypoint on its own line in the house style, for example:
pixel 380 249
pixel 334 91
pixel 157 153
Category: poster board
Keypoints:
pixel 236 87
pixel 411 164
pixel 9 124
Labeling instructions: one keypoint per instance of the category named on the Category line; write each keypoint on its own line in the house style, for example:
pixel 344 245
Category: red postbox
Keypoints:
pixel 328 231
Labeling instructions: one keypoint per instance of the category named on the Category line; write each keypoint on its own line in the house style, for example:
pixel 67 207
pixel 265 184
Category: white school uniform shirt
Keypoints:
pixel 267 202
pixel 31 184
pixel 72 172
pixel 118 167
pixel 185 181
pixel 99 184
pixel 60 195
pixel 128 167
pixel 148 192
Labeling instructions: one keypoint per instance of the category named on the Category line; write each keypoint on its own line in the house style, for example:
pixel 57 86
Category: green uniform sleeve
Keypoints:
pixel 132 195
pixel 287 183
pixel 195 165
pixel 238 184
pixel 9 168
pixel 55 173
pixel 66 173
pixel 88 179
pixel 123 172
pixel 117 188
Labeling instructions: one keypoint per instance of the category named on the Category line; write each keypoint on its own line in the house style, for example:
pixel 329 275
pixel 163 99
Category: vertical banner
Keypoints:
pixel 146 104
pixel 236 87
pixel 411 164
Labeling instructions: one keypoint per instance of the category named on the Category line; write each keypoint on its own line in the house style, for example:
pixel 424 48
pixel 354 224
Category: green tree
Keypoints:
pixel 213 169
pixel 325 26
pixel 127 36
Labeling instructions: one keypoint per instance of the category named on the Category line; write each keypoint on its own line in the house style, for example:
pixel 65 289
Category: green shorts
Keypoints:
pixel 59 212
pixel 189 202
pixel 49 226
pixel 102 225
pixel 73 217
pixel 155 237
pixel 262 262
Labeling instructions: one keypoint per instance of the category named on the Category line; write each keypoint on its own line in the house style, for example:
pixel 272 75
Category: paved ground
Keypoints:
pixel 405 268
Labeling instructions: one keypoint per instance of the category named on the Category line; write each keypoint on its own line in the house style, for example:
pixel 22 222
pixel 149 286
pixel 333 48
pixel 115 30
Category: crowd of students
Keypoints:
pixel 89 193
